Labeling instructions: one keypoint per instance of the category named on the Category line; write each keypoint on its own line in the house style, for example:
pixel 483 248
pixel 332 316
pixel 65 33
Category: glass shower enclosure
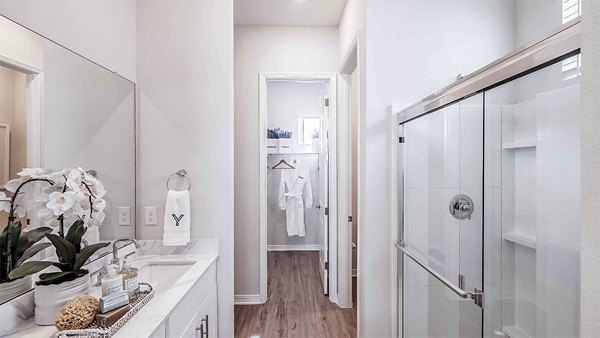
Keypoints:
pixel 489 193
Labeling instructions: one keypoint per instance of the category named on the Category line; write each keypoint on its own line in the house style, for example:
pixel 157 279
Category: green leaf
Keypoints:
pixel 86 253
pixel 28 268
pixel 70 233
pixel 15 234
pixel 36 234
pixel 31 251
pixel 63 266
pixel 64 250
pixel 75 233
pixel 3 239
pixel 56 277
pixel 28 239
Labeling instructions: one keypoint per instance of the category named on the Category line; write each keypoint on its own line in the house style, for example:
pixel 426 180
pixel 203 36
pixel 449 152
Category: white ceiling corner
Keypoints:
pixel 288 12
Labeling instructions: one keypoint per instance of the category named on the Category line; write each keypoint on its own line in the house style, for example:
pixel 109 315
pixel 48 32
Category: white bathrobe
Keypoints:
pixel 295 193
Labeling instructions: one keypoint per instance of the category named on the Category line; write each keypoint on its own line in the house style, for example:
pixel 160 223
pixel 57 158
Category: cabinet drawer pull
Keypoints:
pixel 204 324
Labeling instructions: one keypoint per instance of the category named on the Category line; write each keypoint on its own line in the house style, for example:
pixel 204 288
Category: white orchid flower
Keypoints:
pixel 45 214
pixel 97 220
pixel 59 178
pixel 28 173
pixel 61 203
pixel 14 184
pixel 75 178
pixel 4 202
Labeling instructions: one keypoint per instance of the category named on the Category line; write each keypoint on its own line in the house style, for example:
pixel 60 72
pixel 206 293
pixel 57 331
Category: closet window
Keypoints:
pixel 571 67
pixel 307 127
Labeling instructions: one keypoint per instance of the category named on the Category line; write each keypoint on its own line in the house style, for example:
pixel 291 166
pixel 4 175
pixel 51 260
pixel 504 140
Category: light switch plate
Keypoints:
pixel 150 216
pixel 124 216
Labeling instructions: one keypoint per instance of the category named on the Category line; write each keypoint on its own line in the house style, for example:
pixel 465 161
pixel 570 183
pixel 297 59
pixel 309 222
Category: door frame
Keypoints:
pixel 349 64
pixel 34 76
pixel 263 78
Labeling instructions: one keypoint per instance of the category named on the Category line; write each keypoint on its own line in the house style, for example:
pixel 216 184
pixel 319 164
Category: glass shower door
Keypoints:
pixel 441 235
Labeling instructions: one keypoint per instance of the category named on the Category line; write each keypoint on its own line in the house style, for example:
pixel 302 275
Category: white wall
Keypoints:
pixel 351 22
pixel 413 48
pixel 265 49
pixel 101 30
pixel 590 169
pixel 286 102
pixel 185 121
pixel 535 19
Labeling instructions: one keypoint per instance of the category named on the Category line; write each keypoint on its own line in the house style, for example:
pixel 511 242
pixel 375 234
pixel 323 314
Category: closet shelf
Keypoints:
pixel 282 154
pixel 514 332
pixel 528 241
pixel 519 145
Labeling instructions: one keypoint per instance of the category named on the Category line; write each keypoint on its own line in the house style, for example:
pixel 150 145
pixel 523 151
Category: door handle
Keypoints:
pixel 477 296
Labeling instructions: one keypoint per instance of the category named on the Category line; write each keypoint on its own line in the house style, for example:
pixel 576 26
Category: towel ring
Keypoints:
pixel 181 173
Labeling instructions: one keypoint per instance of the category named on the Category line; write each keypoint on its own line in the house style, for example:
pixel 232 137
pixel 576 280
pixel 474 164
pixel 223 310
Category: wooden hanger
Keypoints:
pixel 283 162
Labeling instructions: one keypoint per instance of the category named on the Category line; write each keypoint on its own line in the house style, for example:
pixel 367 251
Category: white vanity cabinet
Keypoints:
pixel 204 324
pixel 195 316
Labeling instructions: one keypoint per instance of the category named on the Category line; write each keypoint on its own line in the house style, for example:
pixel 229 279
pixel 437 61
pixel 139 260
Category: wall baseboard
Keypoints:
pixel 307 247
pixel 246 299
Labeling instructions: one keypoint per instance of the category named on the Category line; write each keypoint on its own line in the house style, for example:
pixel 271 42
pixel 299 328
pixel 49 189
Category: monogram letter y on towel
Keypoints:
pixel 177 218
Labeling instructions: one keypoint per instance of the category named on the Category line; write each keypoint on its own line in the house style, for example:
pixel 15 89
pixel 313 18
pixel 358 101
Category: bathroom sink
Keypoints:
pixel 162 275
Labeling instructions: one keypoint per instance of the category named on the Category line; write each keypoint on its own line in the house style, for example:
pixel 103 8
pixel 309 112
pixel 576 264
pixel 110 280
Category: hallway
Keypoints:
pixel 296 306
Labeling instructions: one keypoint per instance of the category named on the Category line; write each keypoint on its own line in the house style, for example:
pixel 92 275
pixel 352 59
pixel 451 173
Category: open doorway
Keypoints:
pixel 296 111
pixel 298 279
pixel 13 126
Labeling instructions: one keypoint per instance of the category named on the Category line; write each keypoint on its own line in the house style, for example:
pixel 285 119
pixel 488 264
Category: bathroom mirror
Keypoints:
pixel 60 110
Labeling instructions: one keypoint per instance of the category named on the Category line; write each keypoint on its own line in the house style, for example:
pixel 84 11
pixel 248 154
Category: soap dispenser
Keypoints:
pixel 130 278
pixel 113 282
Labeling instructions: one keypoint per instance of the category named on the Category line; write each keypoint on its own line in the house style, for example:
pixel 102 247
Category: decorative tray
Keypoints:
pixel 96 331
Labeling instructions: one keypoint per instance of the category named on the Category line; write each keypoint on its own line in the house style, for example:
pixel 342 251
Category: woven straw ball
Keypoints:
pixel 77 314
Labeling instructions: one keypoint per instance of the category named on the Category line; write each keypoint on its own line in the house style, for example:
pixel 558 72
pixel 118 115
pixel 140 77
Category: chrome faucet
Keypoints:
pixel 115 259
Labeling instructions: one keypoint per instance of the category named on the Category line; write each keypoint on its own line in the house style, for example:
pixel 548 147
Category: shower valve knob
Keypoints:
pixel 461 206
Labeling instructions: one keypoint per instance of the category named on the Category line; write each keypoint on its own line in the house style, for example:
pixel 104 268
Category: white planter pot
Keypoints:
pixel 272 146
pixel 285 145
pixel 15 288
pixel 49 299
pixel 316 145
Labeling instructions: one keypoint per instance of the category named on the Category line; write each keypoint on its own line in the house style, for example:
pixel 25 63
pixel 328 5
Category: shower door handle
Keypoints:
pixel 477 296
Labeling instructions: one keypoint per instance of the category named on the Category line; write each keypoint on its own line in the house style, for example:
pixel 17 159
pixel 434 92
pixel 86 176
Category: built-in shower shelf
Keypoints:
pixel 519 145
pixel 528 241
pixel 514 332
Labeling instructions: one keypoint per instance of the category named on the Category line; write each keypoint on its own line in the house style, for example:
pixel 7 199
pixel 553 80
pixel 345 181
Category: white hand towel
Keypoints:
pixel 177 218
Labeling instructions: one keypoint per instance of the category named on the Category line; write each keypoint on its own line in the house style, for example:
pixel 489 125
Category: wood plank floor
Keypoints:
pixel 296 305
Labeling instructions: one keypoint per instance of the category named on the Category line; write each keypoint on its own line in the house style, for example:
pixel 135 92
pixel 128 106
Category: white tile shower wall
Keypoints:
pixel 559 211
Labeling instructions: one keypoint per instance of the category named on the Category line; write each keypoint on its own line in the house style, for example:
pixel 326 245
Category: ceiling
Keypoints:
pixel 288 12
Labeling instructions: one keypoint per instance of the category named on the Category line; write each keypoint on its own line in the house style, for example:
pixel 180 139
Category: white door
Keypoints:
pixel 324 198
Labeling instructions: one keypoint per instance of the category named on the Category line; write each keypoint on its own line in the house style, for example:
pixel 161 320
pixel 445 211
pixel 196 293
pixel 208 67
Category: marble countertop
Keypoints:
pixel 151 316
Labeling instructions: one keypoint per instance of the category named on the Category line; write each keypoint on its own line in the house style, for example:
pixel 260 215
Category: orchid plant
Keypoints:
pixel 15 246
pixel 75 195
pixel 70 195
